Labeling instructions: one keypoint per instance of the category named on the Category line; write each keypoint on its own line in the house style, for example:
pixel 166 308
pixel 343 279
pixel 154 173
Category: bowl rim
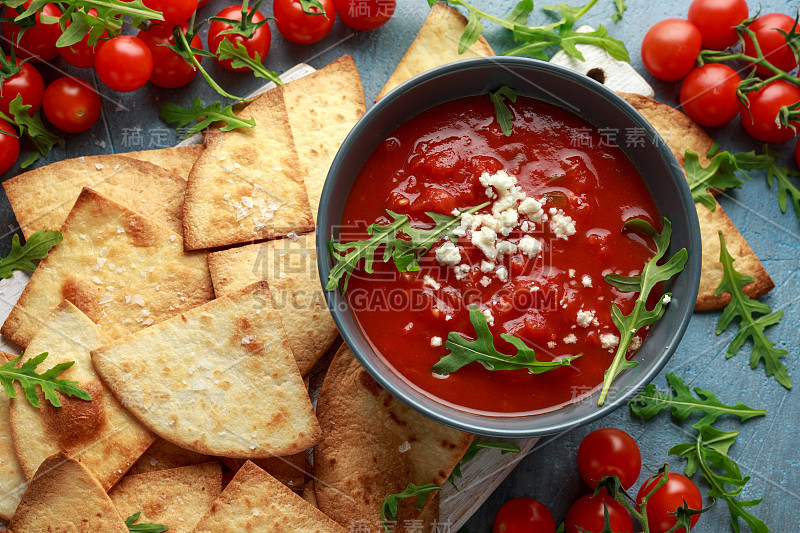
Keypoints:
pixel 482 424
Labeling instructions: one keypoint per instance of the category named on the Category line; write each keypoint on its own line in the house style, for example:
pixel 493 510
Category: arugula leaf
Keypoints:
pixel 709 455
pixel 32 127
pixel 472 451
pixel 389 507
pixel 149 528
pixel 308 4
pixel 621 8
pixel 652 274
pixel 721 173
pixel 482 350
pixel 751 325
pixel 240 58
pixel 405 253
pixel 782 174
pixel 48 382
pixel 521 12
pixel 23 257
pixel 504 114
pixel 649 403
pixel 204 116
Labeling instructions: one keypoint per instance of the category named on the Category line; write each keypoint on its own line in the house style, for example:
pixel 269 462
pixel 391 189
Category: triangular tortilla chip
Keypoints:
pixel 119 268
pixel 175 498
pixel 436 44
pixel 681 134
pixel 163 455
pixel 373 445
pixel 290 268
pixel 247 186
pixel 289 470
pixel 178 160
pixel 12 477
pixel 64 498
pixel 42 198
pixel 323 107
pixel 255 501
pixel 219 379
pixel 100 434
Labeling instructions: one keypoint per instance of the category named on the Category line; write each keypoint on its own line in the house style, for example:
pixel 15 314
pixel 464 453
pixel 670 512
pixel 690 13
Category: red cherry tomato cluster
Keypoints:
pixel 606 452
pixel 709 92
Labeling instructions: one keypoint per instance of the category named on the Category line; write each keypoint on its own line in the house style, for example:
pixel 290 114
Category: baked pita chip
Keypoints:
pixel 290 268
pixel 255 501
pixel 323 107
pixel 219 379
pixel 163 455
pixel 100 434
pixel 12 477
pixel 43 197
pixel 175 498
pixel 289 470
pixel 681 134
pixel 436 44
pixel 247 184
pixel 64 498
pixel 373 445
pixel 178 160
pixel 119 268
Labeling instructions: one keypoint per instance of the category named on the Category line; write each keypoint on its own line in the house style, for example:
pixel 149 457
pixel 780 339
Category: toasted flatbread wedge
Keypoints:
pixel 119 268
pixel 43 197
pixel 436 44
pixel 323 107
pixel 290 268
pixel 219 379
pixel 247 184
pixel 163 455
pixel 178 160
pixel 289 470
pixel 64 498
pixel 255 501
pixel 175 498
pixel 100 434
pixel 12 477
pixel 681 134
pixel 373 445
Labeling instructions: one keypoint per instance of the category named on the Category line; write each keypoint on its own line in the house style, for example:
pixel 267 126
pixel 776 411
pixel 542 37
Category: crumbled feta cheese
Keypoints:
pixel 448 255
pixel 502 274
pixel 586 318
pixel 551 344
pixel 486 281
pixel 432 283
pixel 636 343
pixel 436 341
pixel 485 241
pixel 461 271
pixel 530 246
pixel 487 266
pixel 489 317
pixel 570 339
pixel 587 281
pixel 562 225
pixel 531 208
pixel 609 341
pixel 572 272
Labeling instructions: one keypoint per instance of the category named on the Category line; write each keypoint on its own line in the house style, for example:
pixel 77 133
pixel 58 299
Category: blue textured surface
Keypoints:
pixel 766 447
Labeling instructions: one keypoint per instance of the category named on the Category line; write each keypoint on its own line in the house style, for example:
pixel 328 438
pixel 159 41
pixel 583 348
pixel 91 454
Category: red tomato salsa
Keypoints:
pixel 541 278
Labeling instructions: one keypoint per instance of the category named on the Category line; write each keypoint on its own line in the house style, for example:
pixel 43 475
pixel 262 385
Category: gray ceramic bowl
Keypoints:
pixel 596 104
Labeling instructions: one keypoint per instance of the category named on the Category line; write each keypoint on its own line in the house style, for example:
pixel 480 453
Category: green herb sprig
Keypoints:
pixel 404 253
pixel 146 528
pixel 754 318
pixel 48 381
pixel 475 447
pixel 37 246
pixel 202 117
pixel 390 504
pixel 708 454
pixel 504 114
pixel 306 5
pixel 482 350
pixel 652 274
pixel 682 404
pixel 621 9
pixel 240 58
pixel 32 127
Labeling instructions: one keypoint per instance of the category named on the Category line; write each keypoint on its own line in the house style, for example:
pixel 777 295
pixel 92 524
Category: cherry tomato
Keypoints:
pixel 708 94
pixel 670 48
pixel 175 11
pixel 124 63
pixel 715 19
pixel 773 44
pixel 258 43
pixel 299 27
pixel 523 515
pixel 81 54
pixel 71 104
pixel 9 147
pixel 609 452
pixel 588 514
pixel 27 82
pixel 764 106
pixel 366 14
pixel 667 499
pixel 170 70
pixel 39 41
